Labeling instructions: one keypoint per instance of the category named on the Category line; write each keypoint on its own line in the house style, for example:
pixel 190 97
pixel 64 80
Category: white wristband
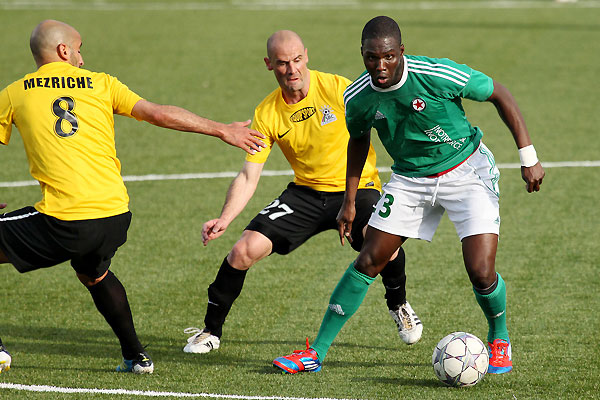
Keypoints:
pixel 528 156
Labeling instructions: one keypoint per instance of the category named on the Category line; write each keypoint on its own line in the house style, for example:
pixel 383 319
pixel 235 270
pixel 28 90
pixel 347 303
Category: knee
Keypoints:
pixel 240 257
pixel 368 264
pixel 483 277
pixel 88 281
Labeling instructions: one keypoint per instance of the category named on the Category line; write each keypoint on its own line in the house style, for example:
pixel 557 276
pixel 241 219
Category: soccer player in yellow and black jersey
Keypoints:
pixel 65 117
pixel 305 117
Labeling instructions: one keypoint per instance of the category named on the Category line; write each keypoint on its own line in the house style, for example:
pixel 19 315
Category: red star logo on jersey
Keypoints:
pixel 418 104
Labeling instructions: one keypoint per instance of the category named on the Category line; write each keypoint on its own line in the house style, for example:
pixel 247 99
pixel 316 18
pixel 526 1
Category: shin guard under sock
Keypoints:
pixel 345 300
pixel 393 277
pixel 110 299
pixel 221 295
pixel 494 308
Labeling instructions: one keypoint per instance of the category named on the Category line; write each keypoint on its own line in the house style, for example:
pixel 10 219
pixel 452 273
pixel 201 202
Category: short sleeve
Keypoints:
pixel 123 99
pixel 6 116
pixel 479 87
pixel 356 120
pixel 261 156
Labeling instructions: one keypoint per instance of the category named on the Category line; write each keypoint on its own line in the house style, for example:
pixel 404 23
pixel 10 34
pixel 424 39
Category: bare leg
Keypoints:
pixel 479 253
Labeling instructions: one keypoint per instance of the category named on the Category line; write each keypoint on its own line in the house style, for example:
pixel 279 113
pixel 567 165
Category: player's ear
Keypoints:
pixel 401 49
pixel 306 54
pixel 268 64
pixel 62 51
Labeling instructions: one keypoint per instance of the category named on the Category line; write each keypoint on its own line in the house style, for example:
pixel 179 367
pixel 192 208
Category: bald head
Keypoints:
pixel 55 41
pixel 283 40
pixel 287 58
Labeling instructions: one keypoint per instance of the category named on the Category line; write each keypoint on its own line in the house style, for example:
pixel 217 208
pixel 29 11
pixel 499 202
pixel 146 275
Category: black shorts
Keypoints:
pixel 32 240
pixel 301 212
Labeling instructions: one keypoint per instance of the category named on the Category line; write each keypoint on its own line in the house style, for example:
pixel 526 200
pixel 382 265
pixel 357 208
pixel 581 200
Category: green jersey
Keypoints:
pixel 420 120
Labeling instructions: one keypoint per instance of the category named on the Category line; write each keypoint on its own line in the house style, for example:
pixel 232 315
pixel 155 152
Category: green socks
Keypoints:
pixel 494 308
pixel 345 300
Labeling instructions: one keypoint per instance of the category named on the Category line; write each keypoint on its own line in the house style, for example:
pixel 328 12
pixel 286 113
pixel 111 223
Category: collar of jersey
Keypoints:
pixel 397 85
pixel 57 65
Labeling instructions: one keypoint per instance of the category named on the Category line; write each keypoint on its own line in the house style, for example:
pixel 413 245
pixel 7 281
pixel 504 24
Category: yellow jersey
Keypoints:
pixel 312 135
pixel 65 117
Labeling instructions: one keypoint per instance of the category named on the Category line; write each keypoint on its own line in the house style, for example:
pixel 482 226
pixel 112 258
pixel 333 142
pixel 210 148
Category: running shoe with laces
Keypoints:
pixel 141 364
pixel 298 361
pixel 5 359
pixel 201 341
pixel 500 356
pixel 409 325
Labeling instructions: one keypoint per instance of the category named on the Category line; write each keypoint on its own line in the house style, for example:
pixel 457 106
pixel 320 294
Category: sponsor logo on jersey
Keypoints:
pixel 303 114
pixel 328 115
pixel 438 135
pixel 379 115
pixel 418 104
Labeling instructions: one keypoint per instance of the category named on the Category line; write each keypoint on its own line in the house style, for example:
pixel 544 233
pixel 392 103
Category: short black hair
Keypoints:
pixel 381 27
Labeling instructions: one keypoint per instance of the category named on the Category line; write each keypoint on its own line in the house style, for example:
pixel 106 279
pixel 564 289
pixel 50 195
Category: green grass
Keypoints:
pixel 210 61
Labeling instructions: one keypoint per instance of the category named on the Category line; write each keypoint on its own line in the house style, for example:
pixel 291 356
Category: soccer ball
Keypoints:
pixel 5 360
pixel 460 359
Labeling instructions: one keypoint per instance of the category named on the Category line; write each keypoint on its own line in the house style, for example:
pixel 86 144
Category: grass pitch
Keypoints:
pixel 209 59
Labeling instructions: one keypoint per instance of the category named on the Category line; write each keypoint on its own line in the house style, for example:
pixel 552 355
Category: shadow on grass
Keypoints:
pixel 92 343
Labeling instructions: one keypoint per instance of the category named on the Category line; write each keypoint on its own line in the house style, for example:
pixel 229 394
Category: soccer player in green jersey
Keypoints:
pixel 440 164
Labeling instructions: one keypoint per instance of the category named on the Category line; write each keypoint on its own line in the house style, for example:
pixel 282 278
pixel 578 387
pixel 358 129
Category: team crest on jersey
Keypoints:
pixel 328 115
pixel 418 104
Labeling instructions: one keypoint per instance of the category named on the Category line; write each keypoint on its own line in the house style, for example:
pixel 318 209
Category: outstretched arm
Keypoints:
pixel 173 117
pixel 240 192
pixel 358 150
pixel 531 169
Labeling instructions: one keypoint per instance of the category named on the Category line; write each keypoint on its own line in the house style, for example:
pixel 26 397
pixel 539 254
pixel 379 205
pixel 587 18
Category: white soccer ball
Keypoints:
pixel 5 361
pixel 460 359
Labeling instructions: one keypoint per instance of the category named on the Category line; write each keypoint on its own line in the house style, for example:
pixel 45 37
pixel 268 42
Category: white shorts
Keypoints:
pixel 413 207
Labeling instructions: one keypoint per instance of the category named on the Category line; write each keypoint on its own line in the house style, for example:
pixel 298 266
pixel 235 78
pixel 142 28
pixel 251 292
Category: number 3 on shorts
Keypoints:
pixel 385 207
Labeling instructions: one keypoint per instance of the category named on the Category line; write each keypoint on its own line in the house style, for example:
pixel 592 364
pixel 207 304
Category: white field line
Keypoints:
pixel 286 172
pixel 146 393
pixel 101 5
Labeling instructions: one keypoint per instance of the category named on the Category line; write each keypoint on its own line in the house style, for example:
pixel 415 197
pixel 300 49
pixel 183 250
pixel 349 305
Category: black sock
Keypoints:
pixel 221 295
pixel 393 277
pixel 111 300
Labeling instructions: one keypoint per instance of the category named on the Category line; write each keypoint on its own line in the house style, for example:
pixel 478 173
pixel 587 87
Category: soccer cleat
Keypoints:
pixel 500 356
pixel 409 325
pixel 142 364
pixel 202 341
pixel 5 359
pixel 298 361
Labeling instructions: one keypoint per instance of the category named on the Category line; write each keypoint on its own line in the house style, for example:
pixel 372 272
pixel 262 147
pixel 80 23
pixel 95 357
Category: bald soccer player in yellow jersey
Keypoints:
pixel 305 117
pixel 65 117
